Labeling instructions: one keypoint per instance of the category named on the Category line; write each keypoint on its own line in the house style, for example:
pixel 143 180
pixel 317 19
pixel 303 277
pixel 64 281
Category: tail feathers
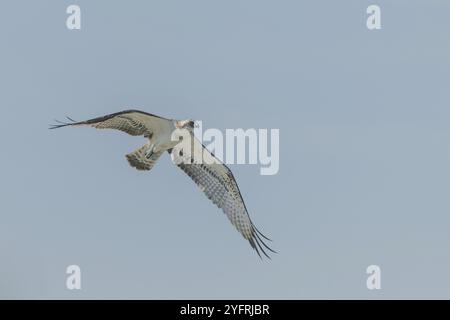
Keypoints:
pixel 142 158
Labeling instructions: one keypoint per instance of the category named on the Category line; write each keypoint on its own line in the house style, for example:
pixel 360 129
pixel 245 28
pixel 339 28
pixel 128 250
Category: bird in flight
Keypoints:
pixel 212 176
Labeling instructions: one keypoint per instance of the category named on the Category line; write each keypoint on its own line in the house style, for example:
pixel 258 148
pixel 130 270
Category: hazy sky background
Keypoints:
pixel 364 154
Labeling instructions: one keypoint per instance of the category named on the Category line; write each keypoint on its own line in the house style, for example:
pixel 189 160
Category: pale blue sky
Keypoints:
pixel 364 152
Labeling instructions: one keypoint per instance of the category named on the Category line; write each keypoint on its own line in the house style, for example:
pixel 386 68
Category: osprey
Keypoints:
pixel 213 177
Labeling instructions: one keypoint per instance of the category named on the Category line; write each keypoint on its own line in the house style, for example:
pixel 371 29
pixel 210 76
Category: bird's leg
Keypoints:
pixel 150 151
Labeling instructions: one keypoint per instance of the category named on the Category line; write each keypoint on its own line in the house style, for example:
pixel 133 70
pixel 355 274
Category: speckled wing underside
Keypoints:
pixel 217 182
pixel 124 123
pixel 133 122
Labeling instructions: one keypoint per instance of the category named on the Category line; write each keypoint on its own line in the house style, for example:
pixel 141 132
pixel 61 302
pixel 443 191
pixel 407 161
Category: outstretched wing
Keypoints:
pixel 217 182
pixel 133 122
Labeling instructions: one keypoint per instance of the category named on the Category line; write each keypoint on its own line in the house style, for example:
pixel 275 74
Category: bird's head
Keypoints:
pixel 188 124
